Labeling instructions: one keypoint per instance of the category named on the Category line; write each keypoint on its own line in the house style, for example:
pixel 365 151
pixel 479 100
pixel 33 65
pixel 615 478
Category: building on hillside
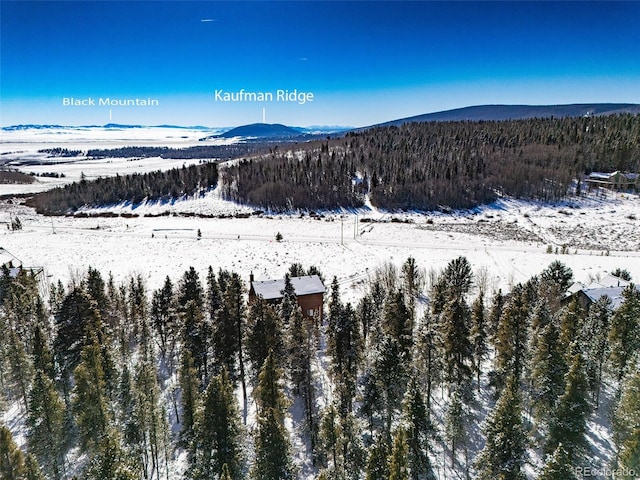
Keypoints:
pixel 617 181
pixel 588 294
pixel 309 291
pixel 11 265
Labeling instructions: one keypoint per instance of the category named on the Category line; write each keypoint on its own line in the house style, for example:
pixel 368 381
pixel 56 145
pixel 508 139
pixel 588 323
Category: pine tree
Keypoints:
pixel 390 380
pixel 32 469
pixel 419 431
pixel 456 421
pixel 345 347
pixel 225 332
pixel 46 417
pixel 42 355
pixel 264 334
pixel 397 322
pixel 164 321
pixel 302 346
pixel 110 461
pixel 218 438
pixel 378 462
pixel 195 332
pixel 558 466
pixel 624 336
pixel 572 318
pixel 626 420
pixel 150 416
pixel 189 388
pixel 289 301
pixel 558 275
pixel 568 425
pixel 511 339
pixel 504 452
pixel 12 466
pixel 78 323
pixel 234 308
pixel 454 323
pixel 595 338
pixel 398 461
pixel 478 335
pixel 548 366
pixel 90 396
pixel 497 304
pixel 430 349
pixel 412 284
pixel 272 445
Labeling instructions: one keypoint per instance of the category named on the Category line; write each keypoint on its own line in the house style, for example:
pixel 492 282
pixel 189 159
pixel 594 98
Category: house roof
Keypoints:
pixel 271 289
pixel 7 258
pixel 614 293
pixel 601 175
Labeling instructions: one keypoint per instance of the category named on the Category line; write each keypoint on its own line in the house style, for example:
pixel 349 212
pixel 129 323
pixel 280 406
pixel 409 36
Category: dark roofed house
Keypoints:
pixel 309 291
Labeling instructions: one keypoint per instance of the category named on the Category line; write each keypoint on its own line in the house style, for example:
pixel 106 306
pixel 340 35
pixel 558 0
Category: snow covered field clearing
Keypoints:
pixel 19 149
pixel 167 245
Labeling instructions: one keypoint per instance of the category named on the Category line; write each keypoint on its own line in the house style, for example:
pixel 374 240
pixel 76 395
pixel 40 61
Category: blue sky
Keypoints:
pixel 365 62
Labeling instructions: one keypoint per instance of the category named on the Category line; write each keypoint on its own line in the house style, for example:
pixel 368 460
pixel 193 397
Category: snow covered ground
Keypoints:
pixel 508 239
pixel 506 242
pixel 20 149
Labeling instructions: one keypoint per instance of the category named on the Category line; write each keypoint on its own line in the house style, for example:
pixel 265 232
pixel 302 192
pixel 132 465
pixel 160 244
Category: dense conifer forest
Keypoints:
pixel 426 166
pixel 134 188
pixel 118 382
pixel 417 166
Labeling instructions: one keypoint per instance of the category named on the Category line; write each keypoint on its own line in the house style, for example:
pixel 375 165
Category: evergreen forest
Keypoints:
pixel 424 375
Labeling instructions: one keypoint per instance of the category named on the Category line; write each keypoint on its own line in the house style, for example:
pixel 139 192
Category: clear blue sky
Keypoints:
pixel 365 62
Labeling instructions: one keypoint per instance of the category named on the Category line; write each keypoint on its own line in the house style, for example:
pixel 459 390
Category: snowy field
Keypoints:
pixel 19 149
pixel 506 242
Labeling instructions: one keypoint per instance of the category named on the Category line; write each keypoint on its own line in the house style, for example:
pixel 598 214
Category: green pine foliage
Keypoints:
pixel 264 334
pixel 548 366
pixel 626 421
pixel 568 425
pixel 134 188
pixel 218 433
pixel 272 444
pixel 378 462
pixel 90 397
pixel 12 466
pixel 624 335
pixel 419 433
pixel 504 453
pixel 558 466
pixel 398 461
pixel 46 415
pixel 595 338
pixel 511 339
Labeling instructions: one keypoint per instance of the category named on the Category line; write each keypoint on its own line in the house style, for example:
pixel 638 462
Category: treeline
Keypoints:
pixel 134 188
pixel 60 152
pixel 200 151
pixel 280 183
pixel 429 165
pixel 130 379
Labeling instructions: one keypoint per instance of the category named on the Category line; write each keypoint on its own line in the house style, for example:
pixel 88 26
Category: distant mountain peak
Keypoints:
pixel 263 130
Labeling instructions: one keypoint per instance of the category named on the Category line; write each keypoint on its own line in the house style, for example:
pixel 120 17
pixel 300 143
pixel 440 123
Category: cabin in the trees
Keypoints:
pixel 617 181
pixel 11 265
pixel 309 291
pixel 588 294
